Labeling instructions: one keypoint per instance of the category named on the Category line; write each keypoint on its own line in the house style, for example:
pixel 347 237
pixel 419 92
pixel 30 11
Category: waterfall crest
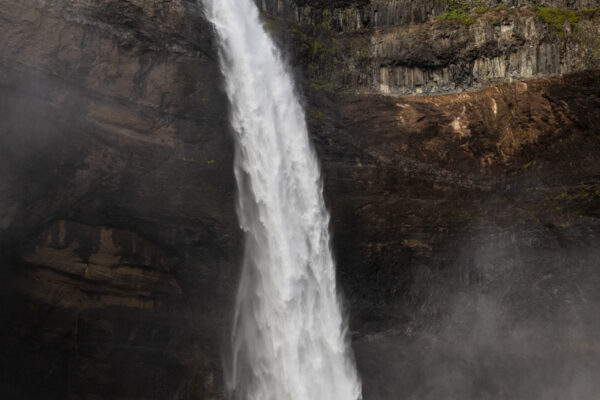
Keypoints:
pixel 288 338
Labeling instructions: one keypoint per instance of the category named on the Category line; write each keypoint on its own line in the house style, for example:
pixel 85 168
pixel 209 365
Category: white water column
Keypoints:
pixel 288 339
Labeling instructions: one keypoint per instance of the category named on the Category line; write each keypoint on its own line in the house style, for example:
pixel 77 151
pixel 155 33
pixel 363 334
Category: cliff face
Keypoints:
pixel 465 48
pixel 465 225
pixel 117 223
pixel 350 15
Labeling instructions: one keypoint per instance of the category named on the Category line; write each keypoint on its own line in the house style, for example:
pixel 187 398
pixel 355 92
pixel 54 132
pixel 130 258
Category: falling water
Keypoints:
pixel 288 340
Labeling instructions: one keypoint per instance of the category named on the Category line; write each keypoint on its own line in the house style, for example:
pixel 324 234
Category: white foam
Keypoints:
pixel 289 335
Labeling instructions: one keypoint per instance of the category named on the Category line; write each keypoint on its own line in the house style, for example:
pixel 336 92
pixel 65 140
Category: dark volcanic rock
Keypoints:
pixel 432 169
pixel 350 15
pixel 493 45
pixel 466 233
pixel 459 221
pixel 118 233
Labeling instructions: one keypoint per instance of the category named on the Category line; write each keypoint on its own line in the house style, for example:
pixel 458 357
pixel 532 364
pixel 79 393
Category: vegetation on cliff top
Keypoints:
pixel 466 12
pixel 557 17
pixel 458 16
pixel 574 25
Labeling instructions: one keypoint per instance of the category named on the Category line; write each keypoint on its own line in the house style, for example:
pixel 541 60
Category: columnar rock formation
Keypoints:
pixel 349 15
pixel 463 49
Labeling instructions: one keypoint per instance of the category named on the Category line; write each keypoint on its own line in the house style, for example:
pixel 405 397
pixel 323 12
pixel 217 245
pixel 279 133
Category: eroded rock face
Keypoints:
pixel 95 308
pixel 351 15
pixel 118 233
pixel 441 55
pixel 475 262
pixel 502 46
pixel 449 163
pixel 118 236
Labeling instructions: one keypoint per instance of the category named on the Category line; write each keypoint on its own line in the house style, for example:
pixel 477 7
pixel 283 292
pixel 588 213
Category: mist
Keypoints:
pixel 518 318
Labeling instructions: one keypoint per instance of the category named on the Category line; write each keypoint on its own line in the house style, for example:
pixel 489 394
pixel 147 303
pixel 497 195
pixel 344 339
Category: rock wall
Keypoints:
pixel 447 55
pixel 478 221
pixel 119 245
pixel 118 236
pixel 366 14
pixel 501 47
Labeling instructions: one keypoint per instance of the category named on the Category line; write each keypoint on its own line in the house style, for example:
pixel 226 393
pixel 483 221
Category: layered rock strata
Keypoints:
pixel 117 225
pixel 119 244
pixel 351 15
pixel 447 53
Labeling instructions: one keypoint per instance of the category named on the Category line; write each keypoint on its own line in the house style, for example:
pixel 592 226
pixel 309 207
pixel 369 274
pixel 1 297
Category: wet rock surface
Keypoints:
pixel 117 219
pixel 459 221
pixel 429 174
pixel 476 257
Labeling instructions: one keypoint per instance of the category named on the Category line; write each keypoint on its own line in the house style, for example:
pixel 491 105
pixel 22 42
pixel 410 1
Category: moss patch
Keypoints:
pixel 457 16
pixel 317 114
pixel 583 200
pixel 463 12
pixel 323 84
pixel 558 17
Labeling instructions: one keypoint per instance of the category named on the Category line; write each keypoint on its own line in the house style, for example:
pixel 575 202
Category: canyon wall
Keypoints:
pixel 119 243
pixel 453 51
pixel 118 229
pixel 350 15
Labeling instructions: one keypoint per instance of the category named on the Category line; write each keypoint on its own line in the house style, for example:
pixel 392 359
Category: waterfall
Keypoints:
pixel 288 339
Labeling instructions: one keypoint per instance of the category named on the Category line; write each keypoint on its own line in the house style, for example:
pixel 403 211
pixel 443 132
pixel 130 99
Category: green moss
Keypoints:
pixel 587 36
pixel 457 16
pixel 317 47
pixel 325 17
pixel 308 42
pixel 558 17
pixel 460 5
pixel 482 9
pixel 460 11
pixel 323 84
pixel 269 26
pixel 588 12
pixel 316 114
pixel 583 194
pixel 467 6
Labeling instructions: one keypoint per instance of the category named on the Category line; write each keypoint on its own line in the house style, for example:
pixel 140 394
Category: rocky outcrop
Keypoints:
pixel 478 234
pixel 93 308
pixel 498 155
pixel 348 15
pixel 118 235
pixel 502 46
pixel 449 54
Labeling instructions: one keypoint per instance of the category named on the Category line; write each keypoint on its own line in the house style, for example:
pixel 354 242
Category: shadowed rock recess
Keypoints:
pixel 466 224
